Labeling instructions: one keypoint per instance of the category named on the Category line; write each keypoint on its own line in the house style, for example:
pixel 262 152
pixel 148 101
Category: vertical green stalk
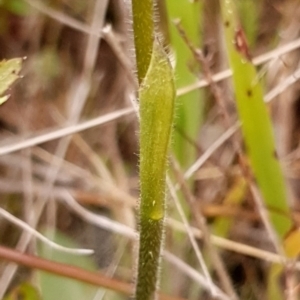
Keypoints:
pixel 156 112
pixel 143 32
pixel 156 97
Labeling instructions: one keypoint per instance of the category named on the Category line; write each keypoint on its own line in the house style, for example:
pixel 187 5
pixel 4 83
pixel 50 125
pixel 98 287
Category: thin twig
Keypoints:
pixel 282 86
pixel 211 285
pixel 63 18
pixel 232 245
pixel 207 154
pixel 68 130
pixel 14 220
pixel 271 55
pixel 98 220
pixel 70 271
pixel 193 274
pixel 114 43
pixel 201 222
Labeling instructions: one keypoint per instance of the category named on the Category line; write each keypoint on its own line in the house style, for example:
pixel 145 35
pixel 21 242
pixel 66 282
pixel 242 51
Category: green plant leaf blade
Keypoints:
pixel 189 111
pixel 9 70
pixel 17 7
pixel 256 124
pixel 24 291
pixel 65 288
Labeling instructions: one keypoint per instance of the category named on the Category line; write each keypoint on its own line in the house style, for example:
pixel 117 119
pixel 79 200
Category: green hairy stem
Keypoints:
pixel 156 98
pixel 143 32
pixel 157 94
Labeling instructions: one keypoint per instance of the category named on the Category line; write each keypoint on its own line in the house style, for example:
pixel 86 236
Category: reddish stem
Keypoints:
pixel 70 272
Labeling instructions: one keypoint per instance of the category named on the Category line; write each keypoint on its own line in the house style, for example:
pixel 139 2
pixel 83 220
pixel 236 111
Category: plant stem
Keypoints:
pixel 157 94
pixel 143 32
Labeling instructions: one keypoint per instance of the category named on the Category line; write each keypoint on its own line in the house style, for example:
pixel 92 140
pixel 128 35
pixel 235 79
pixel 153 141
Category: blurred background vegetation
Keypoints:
pixel 81 189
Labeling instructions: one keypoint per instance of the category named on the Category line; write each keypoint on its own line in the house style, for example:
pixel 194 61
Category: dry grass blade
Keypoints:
pixel 41 237
pixel 59 133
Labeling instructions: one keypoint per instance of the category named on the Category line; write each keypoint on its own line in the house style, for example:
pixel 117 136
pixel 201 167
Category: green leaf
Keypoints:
pixel 65 288
pixel 18 7
pixel 25 291
pixel 9 70
pixel 189 111
pixel 250 18
pixel 234 197
pixel 274 290
pixel 256 124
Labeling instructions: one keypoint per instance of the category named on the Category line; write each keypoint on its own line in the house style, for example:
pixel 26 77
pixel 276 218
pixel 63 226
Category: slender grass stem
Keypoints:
pixel 143 32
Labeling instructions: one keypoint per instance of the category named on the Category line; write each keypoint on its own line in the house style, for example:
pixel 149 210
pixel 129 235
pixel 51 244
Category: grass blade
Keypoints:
pixel 256 124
